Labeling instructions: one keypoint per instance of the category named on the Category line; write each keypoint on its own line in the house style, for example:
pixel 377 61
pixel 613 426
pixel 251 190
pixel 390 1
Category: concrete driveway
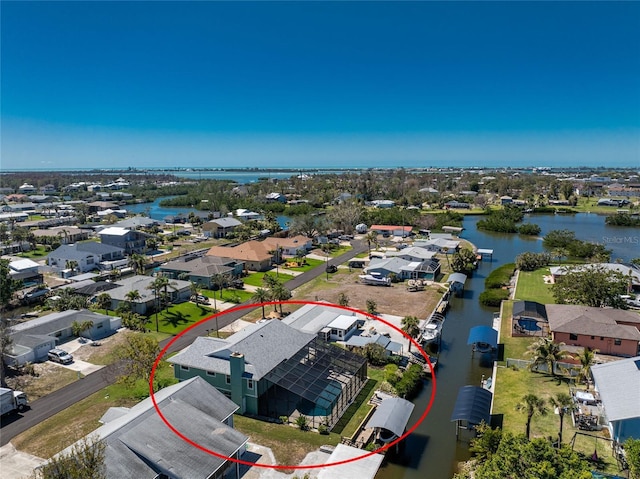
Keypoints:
pixel 16 464
pixel 80 366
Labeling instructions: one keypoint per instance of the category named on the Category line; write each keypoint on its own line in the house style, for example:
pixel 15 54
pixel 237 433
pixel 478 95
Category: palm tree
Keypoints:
pixel 72 265
pixel 261 295
pixel 545 351
pixel 531 405
pixel 194 290
pixel 410 327
pixel 77 327
pixel 372 238
pixel 132 296
pixel 564 404
pixel 159 287
pixel 280 293
pixel 103 301
pixel 138 263
pixel 587 358
pixel 371 306
pixel 343 299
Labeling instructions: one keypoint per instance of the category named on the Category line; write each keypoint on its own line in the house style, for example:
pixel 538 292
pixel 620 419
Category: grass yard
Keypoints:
pixel 230 295
pixel 255 279
pixel 289 444
pixel 39 252
pixel 310 264
pixel 514 347
pixel 63 429
pixel 360 406
pixel 178 317
pixel 531 286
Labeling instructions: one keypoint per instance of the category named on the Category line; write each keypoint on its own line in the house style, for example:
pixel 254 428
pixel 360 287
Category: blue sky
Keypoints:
pixel 326 84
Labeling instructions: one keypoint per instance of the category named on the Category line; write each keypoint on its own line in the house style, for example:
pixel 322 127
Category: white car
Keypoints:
pixel 60 356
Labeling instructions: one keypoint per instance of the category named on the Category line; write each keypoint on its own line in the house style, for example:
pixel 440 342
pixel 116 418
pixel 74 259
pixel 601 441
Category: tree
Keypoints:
pixel 486 442
pixel 85 459
pixel 371 306
pixel 6 343
pixel 592 286
pixel 261 295
pixel 194 290
pixel 531 405
pixel 103 301
pixel 159 287
pixel 587 358
pixel 309 225
pixel 280 293
pixel 137 354
pixel 372 239
pixel 564 404
pixel 77 327
pixel 138 262
pixel 7 285
pixel 132 296
pixel 464 261
pixel 632 449
pixel 343 299
pixel 410 325
pixel 72 265
pixel 547 352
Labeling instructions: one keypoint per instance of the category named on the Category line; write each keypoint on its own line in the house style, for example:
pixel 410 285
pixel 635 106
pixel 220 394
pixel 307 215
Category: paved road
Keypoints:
pixel 61 399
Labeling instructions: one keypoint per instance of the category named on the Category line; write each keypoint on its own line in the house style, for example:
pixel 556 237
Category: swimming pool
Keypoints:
pixel 529 324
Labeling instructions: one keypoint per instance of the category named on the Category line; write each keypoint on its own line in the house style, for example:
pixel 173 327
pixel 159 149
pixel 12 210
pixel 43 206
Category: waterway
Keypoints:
pixel 432 451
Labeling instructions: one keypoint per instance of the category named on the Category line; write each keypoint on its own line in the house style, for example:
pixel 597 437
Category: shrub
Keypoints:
pixel 323 429
pixel 500 277
pixel 529 229
pixel 284 419
pixel 302 423
pixel 493 297
pixel 532 261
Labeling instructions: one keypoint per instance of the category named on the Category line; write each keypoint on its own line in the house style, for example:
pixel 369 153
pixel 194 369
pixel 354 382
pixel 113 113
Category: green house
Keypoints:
pixel 272 370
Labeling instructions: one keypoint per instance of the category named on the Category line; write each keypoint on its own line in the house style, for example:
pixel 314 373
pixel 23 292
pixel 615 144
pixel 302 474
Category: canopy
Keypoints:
pixel 393 415
pixel 473 405
pixel 483 334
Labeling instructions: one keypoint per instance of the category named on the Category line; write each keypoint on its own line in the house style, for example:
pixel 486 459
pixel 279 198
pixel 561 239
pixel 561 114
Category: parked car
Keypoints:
pixel 331 268
pixel 60 356
pixel 199 298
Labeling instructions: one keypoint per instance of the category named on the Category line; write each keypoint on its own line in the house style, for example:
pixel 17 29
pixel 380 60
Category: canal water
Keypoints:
pixel 432 451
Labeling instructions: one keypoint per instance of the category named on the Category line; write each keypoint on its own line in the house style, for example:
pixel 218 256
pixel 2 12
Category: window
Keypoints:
pixel 593 337
pixel 249 383
pixel 573 337
pixel 99 326
pixel 211 373
pixel 227 379
pixel 617 342
pixel 601 338
pixel 184 368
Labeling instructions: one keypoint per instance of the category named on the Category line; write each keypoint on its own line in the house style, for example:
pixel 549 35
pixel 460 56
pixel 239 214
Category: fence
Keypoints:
pixel 559 368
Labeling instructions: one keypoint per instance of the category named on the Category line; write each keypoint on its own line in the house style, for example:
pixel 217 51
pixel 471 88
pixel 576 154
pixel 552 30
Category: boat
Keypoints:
pixel 432 329
pixel 442 307
pixel 375 279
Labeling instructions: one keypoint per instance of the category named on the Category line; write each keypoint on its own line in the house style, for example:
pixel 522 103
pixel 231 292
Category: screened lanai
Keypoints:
pixel 319 382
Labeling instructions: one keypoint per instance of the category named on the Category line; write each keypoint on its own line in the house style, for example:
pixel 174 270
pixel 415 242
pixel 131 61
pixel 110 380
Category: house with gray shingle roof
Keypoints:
pixel 202 270
pixel 271 369
pixel 177 290
pixel 88 256
pixel 139 444
pixel 220 227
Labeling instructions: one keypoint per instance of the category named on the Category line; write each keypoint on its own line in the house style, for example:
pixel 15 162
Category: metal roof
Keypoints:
pixel 483 334
pixel 365 468
pixel 457 278
pixel 529 308
pixel 618 383
pixel 393 415
pixel 473 405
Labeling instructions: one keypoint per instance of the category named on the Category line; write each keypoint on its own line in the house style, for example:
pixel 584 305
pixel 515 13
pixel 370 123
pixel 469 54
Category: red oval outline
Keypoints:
pixel 279 466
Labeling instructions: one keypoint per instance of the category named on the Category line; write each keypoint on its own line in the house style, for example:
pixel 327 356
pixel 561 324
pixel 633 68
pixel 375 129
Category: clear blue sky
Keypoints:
pixel 327 84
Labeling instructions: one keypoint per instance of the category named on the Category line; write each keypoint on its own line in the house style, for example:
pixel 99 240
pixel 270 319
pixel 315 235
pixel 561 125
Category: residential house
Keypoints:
pixel 412 253
pixel 96 206
pixel 275 197
pixel 453 204
pixel 130 240
pixel 631 272
pixel 27 189
pixel 66 234
pixel 439 245
pixel 329 323
pixel 203 270
pixel 177 290
pixel 404 269
pixel 137 222
pixel 359 341
pixel 292 246
pixel 25 270
pixel 618 384
pixel 611 331
pixel 365 467
pixel 383 203
pixel 391 230
pixel 33 339
pixel 139 444
pixel 255 255
pixel 220 228
pixel 247 215
pixel 87 256
pixel 506 200
pixel 271 369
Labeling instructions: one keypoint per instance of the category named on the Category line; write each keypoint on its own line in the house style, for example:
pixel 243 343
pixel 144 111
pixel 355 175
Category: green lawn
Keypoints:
pixel 39 252
pixel 514 347
pixel 360 407
pixel 230 295
pixel 310 264
pixel 178 317
pixel 531 286
pixel 255 279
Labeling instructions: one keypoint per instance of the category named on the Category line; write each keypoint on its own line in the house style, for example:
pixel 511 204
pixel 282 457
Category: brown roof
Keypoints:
pixel 291 242
pixel 248 251
pixel 591 321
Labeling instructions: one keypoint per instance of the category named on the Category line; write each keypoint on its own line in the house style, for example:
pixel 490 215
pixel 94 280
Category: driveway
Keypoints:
pixel 16 464
pixel 80 366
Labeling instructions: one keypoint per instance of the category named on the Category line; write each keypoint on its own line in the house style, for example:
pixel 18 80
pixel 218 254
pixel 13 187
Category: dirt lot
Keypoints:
pixel 394 300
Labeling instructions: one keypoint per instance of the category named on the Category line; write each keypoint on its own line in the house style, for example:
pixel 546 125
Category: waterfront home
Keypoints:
pixel 611 331
pixel 33 339
pixel 271 369
pixel 632 272
pixel 130 240
pixel 618 384
pixel 256 255
pixel 391 230
pixel 139 444
pixel 439 245
pixel 87 256
pixel 291 246
pixel 203 270
pixel 137 222
pixel 220 227
pixel 403 269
